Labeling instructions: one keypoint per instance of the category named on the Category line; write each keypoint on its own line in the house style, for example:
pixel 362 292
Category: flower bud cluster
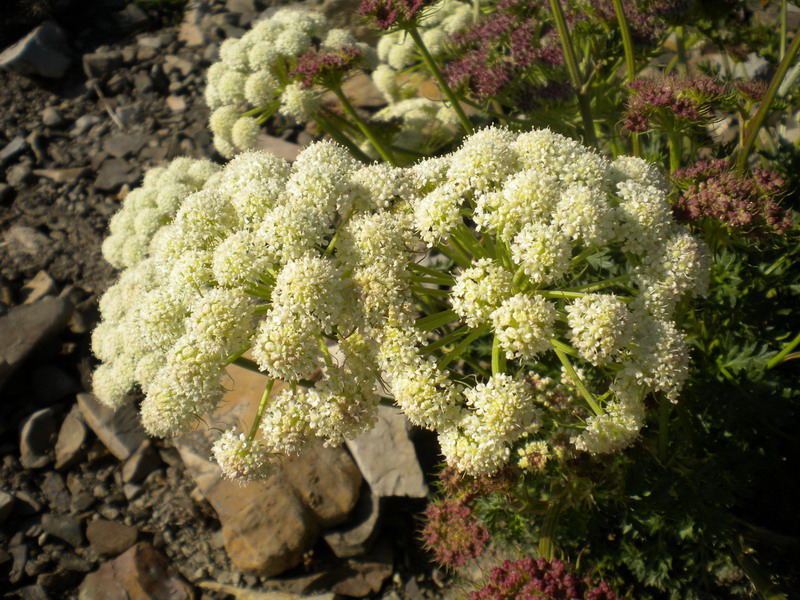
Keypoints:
pixel 287 260
pixel 271 68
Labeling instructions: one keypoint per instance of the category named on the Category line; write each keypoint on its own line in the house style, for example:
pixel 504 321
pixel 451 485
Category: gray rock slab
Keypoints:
pixel 51 117
pixel 62 175
pixel 121 145
pixel 6 505
pixel 119 429
pixel 141 463
pixel 25 240
pixel 35 439
pixel 84 124
pixel 71 437
pixel 356 536
pixel 387 458
pixel 13 149
pixel 24 327
pixel 114 173
pixel 44 52
pixel 64 528
pixel 37 288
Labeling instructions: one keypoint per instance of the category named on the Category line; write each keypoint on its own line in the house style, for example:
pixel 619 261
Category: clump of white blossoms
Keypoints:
pixel 455 288
pixel 254 77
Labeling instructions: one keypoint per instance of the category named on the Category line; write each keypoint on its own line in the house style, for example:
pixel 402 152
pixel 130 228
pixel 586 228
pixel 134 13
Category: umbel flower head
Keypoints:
pixel 288 261
pixel 270 69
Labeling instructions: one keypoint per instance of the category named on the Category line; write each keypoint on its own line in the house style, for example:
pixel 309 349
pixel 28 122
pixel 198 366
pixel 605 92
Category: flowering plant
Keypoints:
pixel 586 320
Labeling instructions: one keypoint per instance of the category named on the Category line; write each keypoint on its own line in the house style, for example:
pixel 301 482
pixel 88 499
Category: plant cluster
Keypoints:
pixel 538 249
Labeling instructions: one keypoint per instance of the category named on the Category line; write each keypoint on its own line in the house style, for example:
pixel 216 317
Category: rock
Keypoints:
pixel 174 63
pixel 101 65
pixel 366 576
pixel 131 18
pixel 62 175
pixel 56 492
pixel 141 573
pixel 13 149
pixel 19 553
pixel 143 82
pixel 84 124
pixel 267 526
pixel 241 6
pixel 26 240
pixel 19 174
pixel 51 117
pixel 35 439
pixel 356 535
pixel 25 504
pixel 114 173
pixel 360 90
pixel 190 32
pixel 44 51
pixel 50 383
pixel 64 528
pixel 26 326
pixel 119 429
pixel 6 505
pixel 108 537
pixel 277 146
pixel 245 594
pixel 141 463
pixel 122 145
pixel 387 458
pixel 37 288
pixel 154 42
pixel 32 592
pixel 176 103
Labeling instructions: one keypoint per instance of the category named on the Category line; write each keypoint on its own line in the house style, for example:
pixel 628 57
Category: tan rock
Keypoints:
pixel 109 537
pixel 267 526
pixel 119 429
pixel 142 573
pixel 278 147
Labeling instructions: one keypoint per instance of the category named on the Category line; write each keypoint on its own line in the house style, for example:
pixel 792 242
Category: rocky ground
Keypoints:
pixel 89 507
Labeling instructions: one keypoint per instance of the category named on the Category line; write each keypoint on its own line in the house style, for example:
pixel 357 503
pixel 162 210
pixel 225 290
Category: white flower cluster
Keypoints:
pixel 253 75
pixel 397 52
pixel 148 208
pixel 317 269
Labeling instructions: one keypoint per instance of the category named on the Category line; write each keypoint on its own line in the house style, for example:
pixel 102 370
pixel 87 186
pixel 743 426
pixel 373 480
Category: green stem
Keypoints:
pixel 782 51
pixel 630 63
pixel 765 588
pixel 600 285
pixel 437 75
pixel 498 357
pixel 462 345
pixel 435 321
pixel 587 395
pixel 680 43
pixel 445 340
pixel 754 126
pixel 454 254
pixel 339 136
pixel 547 548
pixel 675 151
pixel 362 125
pixel 260 412
pixel 778 358
pixel 248 364
pixel 467 239
pixel 574 74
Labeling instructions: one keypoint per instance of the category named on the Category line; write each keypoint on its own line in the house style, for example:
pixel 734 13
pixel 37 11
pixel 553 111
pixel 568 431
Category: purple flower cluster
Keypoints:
pixel 645 24
pixel 715 190
pixel 453 533
pixel 672 102
pixel 509 52
pixel 392 13
pixel 753 90
pixel 538 579
pixel 318 66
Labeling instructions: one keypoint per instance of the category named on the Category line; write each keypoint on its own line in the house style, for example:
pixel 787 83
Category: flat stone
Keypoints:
pixel 277 146
pixel 37 288
pixel 51 117
pixel 247 594
pixel 44 52
pixel 101 64
pixel 19 175
pixel 84 124
pixel 141 573
pixel 26 326
pixel 114 173
pixel 35 439
pixel 13 149
pixel 154 42
pixel 6 505
pixel 19 554
pixel 191 32
pixel 131 18
pixel 241 6
pixel 25 504
pixel 387 458
pixel 63 527
pixel 32 592
pixel 143 82
pixel 356 536
pixel 267 526
pixel 56 492
pixel 119 429
pixel 122 145
pixel 361 91
pixel 366 576
pixel 176 103
pixel 71 437
pixel 62 175
pixel 141 463
pixel 110 537
pixel 26 240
